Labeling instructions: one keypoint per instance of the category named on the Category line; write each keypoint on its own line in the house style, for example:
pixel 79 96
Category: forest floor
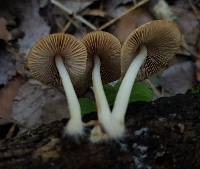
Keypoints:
pixel 163 134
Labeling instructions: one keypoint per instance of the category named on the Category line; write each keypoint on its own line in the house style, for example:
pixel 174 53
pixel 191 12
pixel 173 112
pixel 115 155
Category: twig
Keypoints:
pixel 125 13
pixel 80 18
pixel 60 26
pixel 11 131
pixel 66 27
pixel 70 12
pixel 71 20
pixel 58 4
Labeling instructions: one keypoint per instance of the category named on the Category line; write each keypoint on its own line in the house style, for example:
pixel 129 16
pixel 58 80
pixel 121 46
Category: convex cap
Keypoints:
pixel 107 47
pixel 41 59
pixel 162 39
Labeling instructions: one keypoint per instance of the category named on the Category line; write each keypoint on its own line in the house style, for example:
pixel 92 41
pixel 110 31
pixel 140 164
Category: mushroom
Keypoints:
pixel 61 59
pixel 104 50
pixel 148 49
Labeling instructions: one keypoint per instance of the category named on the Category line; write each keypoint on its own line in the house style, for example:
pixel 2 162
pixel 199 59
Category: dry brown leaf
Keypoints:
pixel 7 66
pixel 116 8
pixel 36 104
pixel 189 26
pixel 76 6
pixel 129 22
pixel 178 78
pixel 4 33
pixel 7 95
pixel 32 24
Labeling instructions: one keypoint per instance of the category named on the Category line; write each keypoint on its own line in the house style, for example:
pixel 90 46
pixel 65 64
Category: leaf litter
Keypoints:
pixel 36 104
pixel 4 33
pixel 7 66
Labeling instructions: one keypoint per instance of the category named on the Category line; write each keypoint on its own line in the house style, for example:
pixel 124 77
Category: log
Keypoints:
pixel 163 134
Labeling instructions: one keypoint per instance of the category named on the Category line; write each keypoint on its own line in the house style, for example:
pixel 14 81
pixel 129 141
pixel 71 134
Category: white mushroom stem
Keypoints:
pixel 122 98
pixel 103 109
pixel 74 125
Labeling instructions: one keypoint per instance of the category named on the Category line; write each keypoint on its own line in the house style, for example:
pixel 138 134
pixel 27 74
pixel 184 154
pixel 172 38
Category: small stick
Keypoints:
pixel 70 12
pixel 66 27
pixel 58 4
pixel 71 20
pixel 80 18
pixel 11 131
pixel 59 24
pixel 125 13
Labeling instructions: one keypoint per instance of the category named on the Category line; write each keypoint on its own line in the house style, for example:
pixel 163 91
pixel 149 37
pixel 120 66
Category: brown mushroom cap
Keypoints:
pixel 162 39
pixel 41 59
pixel 107 47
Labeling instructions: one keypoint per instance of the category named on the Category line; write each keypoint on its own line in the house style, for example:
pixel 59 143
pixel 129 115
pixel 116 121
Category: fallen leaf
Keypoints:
pixel 76 6
pixel 36 104
pixel 87 106
pixel 115 8
pixel 189 26
pixel 119 11
pixel 7 66
pixel 130 22
pixel 140 92
pixel 32 24
pixel 178 78
pixel 4 33
pixel 7 95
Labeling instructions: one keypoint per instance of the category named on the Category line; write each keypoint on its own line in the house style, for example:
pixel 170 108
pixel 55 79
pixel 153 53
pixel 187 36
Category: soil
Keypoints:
pixel 163 134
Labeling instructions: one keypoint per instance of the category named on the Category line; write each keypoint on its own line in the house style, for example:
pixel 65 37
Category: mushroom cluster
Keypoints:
pixel 63 59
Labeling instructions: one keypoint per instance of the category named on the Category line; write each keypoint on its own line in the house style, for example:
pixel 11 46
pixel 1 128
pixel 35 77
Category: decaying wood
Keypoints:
pixel 163 134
